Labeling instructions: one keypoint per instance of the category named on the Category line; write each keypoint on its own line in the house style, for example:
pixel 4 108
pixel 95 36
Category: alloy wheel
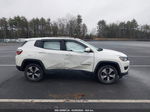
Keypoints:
pixel 107 74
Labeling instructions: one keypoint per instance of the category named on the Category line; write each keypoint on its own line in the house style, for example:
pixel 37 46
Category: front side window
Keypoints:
pixel 74 46
pixel 52 45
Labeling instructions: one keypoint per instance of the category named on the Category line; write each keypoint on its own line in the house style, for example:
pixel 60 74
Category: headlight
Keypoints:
pixel 123 58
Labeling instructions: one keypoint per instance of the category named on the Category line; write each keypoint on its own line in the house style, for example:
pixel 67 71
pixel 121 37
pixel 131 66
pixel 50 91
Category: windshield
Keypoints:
pixel 93 47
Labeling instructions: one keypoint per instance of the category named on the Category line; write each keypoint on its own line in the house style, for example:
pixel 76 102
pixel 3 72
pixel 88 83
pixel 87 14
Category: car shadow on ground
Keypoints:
pixel 60 84
pixel 69 75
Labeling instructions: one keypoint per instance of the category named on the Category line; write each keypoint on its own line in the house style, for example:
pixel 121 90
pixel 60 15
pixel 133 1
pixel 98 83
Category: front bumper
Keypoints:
pixel 124 67
pixel 123 74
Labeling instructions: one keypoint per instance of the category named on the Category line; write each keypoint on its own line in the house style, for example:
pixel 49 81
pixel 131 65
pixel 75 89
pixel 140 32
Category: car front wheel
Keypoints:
pixel 34 72
pixel 107 74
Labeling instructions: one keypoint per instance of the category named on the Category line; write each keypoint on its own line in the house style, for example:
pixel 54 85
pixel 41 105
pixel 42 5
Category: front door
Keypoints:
pixel 76 58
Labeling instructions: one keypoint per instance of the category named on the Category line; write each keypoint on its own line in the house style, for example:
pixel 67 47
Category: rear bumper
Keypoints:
pixel 19 68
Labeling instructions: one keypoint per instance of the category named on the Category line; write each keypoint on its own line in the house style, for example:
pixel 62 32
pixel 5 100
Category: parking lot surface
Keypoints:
pixel 79 85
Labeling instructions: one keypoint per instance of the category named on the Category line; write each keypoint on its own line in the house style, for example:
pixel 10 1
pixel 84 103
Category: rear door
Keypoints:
pixel 76 58
pixel 52 54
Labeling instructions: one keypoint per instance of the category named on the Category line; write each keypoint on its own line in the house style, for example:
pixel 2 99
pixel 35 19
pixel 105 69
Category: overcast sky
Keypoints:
pixel 91 10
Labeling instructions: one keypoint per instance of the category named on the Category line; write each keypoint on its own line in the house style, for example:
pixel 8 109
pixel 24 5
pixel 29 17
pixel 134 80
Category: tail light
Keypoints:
pixel 19 51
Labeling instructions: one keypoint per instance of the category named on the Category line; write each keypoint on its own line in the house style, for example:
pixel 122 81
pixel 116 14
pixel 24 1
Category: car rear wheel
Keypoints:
pixel 107 74
pixel 33 72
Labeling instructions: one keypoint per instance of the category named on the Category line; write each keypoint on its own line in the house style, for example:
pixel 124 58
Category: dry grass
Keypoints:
pixel 120 39
pixel 112 39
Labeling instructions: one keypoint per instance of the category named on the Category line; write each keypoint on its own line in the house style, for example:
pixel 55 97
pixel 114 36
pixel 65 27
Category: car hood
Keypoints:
pixel 113 52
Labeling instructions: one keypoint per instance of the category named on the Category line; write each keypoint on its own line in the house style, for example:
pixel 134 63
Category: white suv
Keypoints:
pixel 39 55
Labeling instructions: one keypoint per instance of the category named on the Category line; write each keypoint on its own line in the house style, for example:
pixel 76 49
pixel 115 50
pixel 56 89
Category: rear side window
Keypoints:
pixel 52 45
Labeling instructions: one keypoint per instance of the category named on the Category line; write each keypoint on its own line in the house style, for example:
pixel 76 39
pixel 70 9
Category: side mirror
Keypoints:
pixel 87 49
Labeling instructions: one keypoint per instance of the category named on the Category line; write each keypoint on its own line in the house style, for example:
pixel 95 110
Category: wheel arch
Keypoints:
pixel 102 63
pixel 33 61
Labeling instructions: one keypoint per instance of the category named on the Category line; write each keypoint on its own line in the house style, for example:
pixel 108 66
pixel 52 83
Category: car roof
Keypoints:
pixel 41 38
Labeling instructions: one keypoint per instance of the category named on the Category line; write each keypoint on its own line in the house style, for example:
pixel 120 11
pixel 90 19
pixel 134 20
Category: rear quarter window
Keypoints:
pixel 39 43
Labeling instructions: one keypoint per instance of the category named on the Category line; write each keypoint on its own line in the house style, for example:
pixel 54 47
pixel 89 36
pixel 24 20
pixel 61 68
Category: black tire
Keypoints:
pixel 107 74
pixel 34 72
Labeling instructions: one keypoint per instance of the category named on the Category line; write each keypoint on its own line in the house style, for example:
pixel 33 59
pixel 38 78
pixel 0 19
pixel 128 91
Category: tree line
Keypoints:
pixel 129 29
pixel 21 27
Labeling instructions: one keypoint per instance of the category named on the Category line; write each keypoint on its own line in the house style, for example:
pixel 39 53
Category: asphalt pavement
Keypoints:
pixel 78 85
